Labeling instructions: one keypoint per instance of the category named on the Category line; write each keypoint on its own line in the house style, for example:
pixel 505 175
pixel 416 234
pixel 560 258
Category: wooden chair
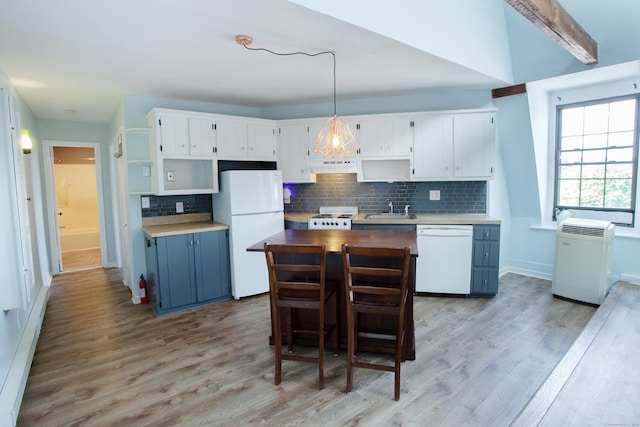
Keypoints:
pixel 376 283
pixel 297 281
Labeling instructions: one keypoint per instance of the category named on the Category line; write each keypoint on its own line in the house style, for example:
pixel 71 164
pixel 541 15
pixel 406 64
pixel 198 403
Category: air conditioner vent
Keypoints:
pixel 583 231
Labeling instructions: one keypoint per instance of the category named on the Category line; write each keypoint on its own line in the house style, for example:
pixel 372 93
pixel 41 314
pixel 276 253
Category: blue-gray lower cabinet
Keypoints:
pixel 187 270
pixel 485 259
pixel 295 225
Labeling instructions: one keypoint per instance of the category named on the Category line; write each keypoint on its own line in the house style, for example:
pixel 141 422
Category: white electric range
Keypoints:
pixel 333 218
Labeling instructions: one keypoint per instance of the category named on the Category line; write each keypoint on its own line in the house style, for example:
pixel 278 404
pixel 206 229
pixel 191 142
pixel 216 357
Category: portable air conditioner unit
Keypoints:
pixel 583 253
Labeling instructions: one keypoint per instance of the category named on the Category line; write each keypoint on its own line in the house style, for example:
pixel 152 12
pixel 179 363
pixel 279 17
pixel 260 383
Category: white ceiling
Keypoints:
pixel 83 56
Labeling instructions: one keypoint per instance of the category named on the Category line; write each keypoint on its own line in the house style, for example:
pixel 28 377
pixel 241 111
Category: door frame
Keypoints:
pixel 52 204
pixel 120 200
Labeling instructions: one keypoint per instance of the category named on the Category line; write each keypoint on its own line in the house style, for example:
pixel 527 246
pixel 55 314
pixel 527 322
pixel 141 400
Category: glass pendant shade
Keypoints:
pixel 335 139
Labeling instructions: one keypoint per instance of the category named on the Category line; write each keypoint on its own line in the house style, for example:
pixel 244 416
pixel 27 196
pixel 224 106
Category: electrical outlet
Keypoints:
pixel 179 207
pixel 169 175
pixel 145 203
pixel 434 194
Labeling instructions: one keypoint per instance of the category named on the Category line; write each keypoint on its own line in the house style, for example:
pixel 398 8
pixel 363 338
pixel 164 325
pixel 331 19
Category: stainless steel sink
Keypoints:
pixel 390 216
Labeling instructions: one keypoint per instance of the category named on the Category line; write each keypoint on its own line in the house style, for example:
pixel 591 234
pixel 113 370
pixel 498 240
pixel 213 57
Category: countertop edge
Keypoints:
pixel 183 228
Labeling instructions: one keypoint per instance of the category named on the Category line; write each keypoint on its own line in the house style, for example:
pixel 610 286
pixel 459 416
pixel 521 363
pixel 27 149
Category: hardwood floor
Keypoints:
pixel 81 260
pixel 597 383
pixel 101 360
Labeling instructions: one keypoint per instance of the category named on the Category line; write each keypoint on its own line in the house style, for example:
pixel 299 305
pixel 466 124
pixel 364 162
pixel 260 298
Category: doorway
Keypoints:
pixel 77 243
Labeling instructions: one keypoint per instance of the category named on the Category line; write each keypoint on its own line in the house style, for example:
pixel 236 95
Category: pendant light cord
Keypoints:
pixel 333 54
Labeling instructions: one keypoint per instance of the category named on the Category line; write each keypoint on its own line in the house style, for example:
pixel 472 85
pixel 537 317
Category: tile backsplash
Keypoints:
pixel 344 190
pixel 166 205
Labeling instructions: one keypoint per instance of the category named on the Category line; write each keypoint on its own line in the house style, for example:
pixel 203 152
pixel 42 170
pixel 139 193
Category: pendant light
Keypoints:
pixel 335 138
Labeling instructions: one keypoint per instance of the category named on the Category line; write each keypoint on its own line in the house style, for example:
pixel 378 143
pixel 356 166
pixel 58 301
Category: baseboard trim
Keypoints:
pixel 526 272
pixel 630 278
pixel 13 390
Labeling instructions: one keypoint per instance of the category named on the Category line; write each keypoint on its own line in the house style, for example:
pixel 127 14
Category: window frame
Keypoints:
pixel 601 213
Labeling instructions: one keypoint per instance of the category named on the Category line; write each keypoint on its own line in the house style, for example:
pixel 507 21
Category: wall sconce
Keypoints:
pixel 27 145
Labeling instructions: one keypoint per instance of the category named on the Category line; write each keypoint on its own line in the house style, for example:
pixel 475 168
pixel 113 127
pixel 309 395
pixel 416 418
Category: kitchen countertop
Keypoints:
pixel 421 219
pixel 183 228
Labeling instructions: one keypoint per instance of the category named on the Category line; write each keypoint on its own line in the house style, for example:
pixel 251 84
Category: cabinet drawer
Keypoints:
pixel 484 281
pixel 486 254
pixel 486 232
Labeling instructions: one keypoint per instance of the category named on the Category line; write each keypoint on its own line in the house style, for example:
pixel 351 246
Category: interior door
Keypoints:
pixel 56 255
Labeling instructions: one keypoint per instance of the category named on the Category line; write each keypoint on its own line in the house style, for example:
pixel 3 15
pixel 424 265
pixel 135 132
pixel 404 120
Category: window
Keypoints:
pixel 596 158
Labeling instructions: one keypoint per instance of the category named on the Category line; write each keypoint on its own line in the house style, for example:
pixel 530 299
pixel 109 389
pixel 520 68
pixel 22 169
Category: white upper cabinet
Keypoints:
pixel 433 147
pixel 454 146
pixel 293 152
pixel 232 138
pixel 173 134
pixel 385 136
pixel 474 145
pixel 261 140
pixel 202 136
pixel 246 139
pixel 184 134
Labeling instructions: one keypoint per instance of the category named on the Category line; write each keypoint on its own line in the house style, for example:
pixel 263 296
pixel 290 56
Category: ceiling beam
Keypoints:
pixel 509 90
pixel 554 21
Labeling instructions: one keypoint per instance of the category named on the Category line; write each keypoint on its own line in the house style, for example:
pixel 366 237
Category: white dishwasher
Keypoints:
pixel 444 259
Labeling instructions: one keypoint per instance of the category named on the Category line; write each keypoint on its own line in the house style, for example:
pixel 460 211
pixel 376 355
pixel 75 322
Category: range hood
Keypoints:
pixel 342 165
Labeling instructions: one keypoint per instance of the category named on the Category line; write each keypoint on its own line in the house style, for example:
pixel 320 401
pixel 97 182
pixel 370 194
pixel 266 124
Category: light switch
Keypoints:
pixel 179 207
pixel 145 203
pixel 434 194
pixel 146 171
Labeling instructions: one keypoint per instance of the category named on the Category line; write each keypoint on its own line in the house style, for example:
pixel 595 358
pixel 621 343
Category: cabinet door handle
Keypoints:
pixel 197 242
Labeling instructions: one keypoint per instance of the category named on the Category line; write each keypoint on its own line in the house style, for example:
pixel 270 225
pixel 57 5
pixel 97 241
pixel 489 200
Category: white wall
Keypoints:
pixel 467 32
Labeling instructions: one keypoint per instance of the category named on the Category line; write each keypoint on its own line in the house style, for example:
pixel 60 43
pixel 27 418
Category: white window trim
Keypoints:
pixel 545 95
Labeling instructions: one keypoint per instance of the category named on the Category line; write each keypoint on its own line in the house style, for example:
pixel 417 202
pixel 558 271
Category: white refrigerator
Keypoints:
pixel 250 202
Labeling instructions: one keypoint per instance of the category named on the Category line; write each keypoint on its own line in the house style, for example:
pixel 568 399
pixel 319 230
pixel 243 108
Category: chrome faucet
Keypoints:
pixel 390 207
pixel 406 209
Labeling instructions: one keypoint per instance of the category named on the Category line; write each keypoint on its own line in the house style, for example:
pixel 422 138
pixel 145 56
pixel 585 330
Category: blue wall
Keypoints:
pixel 535 57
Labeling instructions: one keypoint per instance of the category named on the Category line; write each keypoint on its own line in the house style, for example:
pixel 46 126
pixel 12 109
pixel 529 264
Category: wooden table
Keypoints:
pixel 334 240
